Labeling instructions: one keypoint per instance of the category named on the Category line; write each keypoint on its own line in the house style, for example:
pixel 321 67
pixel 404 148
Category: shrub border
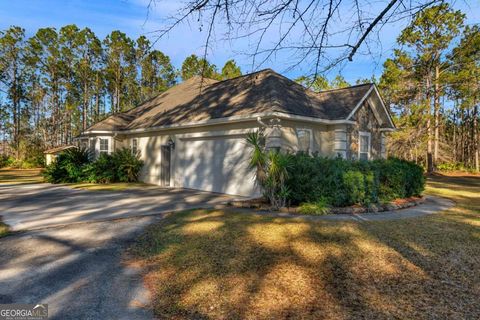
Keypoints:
pixel 261 205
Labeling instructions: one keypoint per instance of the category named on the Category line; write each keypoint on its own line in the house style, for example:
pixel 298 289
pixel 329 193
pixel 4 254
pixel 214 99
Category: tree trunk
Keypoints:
pixel 97 98
pixel 85 106
pixel 475 138
pixel 436 108
pixel 455 147
pixel 429 128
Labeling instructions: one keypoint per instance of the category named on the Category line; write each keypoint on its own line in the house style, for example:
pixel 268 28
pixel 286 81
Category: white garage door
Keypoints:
pixel 218 164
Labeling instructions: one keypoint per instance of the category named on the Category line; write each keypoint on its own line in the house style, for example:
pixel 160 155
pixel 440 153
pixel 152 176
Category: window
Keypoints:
pixel 103 145
pixel 91 149
pixel 134 146
pixel 304 137
pixel 84 143
pixel 363 145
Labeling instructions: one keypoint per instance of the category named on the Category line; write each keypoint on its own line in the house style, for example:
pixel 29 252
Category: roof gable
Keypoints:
pixel 374 101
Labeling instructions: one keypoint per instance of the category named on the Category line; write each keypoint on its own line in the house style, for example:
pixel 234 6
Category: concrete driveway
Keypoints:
pixel 70 252
pixel 28 207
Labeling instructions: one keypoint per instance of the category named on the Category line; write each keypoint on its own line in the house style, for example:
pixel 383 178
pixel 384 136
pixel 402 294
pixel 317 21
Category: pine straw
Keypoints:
pixel 225 265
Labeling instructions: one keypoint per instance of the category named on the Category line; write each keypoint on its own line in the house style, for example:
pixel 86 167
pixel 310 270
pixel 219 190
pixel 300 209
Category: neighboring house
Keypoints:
pixel 193 135
pixel 51 154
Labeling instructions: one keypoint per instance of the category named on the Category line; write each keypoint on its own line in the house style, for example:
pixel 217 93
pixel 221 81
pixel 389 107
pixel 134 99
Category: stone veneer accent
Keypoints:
pixel 365 121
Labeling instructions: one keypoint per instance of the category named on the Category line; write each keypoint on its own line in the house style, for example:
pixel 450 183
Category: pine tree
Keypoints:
pixel 230 70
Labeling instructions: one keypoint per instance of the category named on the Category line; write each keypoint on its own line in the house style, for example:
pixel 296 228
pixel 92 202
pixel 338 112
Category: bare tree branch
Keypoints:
pixel 370 27
pixel 321 33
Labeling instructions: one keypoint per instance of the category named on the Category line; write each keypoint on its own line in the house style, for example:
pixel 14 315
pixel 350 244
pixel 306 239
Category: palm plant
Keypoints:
pixel 271 170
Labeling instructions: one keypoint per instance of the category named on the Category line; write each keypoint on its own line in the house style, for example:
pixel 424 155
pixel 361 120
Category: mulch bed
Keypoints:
pixel 262 204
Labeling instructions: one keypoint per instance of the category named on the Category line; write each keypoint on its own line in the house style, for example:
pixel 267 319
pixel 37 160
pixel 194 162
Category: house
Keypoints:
pixel 193 135
pixel 51 154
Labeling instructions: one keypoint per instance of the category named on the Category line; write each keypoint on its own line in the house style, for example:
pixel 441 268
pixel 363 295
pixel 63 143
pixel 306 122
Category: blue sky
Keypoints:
pixel 129 16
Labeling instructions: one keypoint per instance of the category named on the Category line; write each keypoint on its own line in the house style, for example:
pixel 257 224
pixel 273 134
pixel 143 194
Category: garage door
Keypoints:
pixel 218 164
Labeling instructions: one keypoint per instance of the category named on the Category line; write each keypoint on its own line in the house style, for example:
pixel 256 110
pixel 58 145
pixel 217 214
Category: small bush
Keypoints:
pixel 454 166
pixel 320 207
pixel 6 161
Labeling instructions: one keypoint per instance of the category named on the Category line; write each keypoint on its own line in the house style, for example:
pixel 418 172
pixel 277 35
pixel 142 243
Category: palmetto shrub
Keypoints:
pixel 67 167
pixel 127 164
pixel 271 170
pixel 74 165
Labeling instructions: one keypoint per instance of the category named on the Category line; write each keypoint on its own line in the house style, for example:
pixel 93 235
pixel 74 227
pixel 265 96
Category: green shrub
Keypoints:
pixel 355 188
pixel 101 170
pixel 67 167
pixel 127 165
pixel 6 161
pixel 317 208
pixel 454 166
pixel 399 178
pixel 74 165
pixel 343 182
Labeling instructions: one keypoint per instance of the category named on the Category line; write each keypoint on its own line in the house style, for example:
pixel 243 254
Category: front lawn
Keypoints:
pixel 20 176
pixel 225 265
pixel 118 186
pixel 3 229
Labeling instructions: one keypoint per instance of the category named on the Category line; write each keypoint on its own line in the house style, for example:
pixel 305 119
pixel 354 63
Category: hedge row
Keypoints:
pixel 342 182
pixel 74 165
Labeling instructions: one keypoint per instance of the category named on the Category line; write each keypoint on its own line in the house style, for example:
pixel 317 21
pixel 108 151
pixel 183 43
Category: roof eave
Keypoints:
pixel 210 122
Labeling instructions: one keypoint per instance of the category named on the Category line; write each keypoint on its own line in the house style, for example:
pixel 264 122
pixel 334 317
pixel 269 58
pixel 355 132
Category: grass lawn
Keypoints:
pixel 108 186
pixel 20 176
pixel 225 265
pixel 3 229
pixel 25 176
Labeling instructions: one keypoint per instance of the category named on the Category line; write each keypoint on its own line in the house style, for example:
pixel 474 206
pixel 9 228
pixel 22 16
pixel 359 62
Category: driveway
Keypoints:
pixel 70 252
pixel 77 270
pixel 36 206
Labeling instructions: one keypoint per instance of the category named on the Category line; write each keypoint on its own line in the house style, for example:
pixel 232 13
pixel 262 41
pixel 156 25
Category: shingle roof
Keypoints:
pixel 58 149
pixel 259 92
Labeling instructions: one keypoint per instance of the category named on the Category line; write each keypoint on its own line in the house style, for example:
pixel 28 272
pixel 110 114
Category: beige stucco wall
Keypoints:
pixel 322 137
pixel 49 158
pixel 149 146
pixel 220 151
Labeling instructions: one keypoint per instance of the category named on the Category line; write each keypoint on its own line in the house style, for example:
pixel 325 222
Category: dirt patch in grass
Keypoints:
pixel 228 265
pixel 20 176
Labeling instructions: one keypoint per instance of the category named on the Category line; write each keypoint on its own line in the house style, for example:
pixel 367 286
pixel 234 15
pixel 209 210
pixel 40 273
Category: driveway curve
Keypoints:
pixel 38 206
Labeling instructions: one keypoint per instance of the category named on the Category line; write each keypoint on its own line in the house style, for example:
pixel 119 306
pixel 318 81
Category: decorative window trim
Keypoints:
pixel 310 147
pixel 369 148
pixel 134 145
pixel 100 150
